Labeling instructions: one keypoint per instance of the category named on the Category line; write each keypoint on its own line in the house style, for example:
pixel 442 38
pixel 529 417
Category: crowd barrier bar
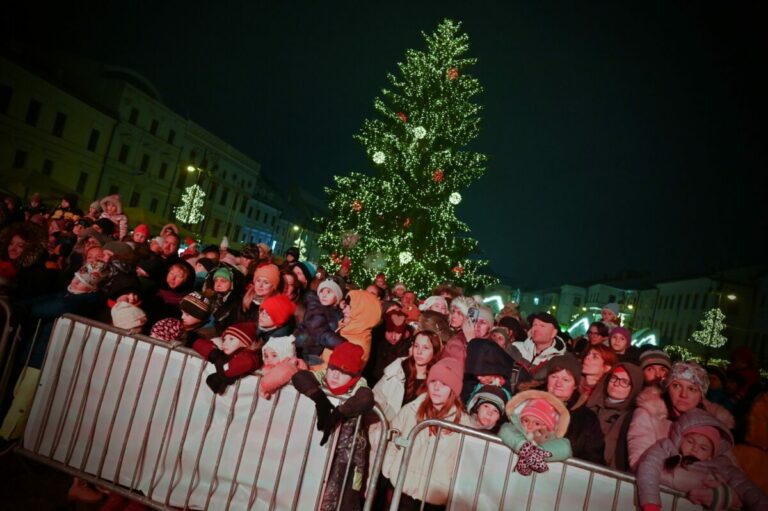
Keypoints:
pixel 678 499
pixel 74 412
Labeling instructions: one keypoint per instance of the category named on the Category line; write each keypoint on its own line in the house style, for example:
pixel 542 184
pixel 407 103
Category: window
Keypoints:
pixel 6 93
pixel 93 140
pixel 47 167
pixel 223 198
pixel 20 159
pixel 81 181
pixel 134 116
pixel 242 205
pixel 144 162
pixel 687 301
pixel 273 221
pixel 213 191
pixel 33 112
pixel 153 127
pixel 171 136
pixel 250 212
pixel 58 124
pixel 695 303
pixel 180 180
pixel 113 189
pixel 163 170
pixel 216 226
pixel 258 214
pixel 135 196
pixel 153 205
pixel 123 156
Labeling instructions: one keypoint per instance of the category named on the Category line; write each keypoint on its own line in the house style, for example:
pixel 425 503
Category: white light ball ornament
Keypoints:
pixel 419 132
pixel 405 257
pixel 455 198
pixel 379 157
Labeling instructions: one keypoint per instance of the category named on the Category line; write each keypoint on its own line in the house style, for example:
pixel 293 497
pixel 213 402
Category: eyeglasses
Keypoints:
pixel 591 332
pixel 621 382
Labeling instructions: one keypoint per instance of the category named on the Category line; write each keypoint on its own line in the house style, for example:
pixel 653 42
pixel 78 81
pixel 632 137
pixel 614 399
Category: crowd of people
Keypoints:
pixel 549 397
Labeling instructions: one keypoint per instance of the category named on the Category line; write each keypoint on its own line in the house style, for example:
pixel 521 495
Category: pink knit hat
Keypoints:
pixel 541 409
pixel 711 432
pixel 449 372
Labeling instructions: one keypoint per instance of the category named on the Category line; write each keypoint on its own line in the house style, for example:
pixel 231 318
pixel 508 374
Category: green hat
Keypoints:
pixel 223 273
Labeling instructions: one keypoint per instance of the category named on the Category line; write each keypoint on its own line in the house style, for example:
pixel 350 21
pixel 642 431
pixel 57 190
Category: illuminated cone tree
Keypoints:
pixel 711 332
pixel 191 209
pixel 401 219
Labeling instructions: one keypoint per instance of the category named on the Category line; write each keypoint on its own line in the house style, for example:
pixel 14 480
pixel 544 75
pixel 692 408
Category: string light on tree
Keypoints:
pixel 190 211
pixel 408 225
pixel 712 326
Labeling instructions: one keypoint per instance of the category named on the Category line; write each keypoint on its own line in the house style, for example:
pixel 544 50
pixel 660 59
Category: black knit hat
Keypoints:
pixel 196 305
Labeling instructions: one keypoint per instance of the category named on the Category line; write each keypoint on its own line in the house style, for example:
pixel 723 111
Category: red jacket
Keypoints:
pixel 242 362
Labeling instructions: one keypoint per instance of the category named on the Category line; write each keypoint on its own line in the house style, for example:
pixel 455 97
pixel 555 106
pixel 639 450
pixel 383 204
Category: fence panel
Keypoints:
pixel 484 479
pixel 137 413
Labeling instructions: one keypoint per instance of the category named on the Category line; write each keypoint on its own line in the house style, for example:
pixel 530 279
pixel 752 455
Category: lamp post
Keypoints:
pixel 301 247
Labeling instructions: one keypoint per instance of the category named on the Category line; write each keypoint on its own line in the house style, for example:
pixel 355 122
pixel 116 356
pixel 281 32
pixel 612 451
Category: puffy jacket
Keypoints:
pixel 423 446
pixel 651 422
pixel 318 330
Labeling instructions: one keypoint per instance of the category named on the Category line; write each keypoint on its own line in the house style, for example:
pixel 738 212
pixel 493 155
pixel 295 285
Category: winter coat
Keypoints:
pixel 752 456
pixel 485 358
pixel 651 421
pixel 318 330
pixel 615 418
pixel 119 219
pixel 390 390
pixel 584 433
pixel 241 362
pixel 421 454
pixel 513 433
pixel 651 472
pixel 365 314
pixel 528 362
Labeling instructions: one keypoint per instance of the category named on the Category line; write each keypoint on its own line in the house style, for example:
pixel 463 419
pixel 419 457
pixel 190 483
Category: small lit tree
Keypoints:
pixel 191 209
pixel 712 326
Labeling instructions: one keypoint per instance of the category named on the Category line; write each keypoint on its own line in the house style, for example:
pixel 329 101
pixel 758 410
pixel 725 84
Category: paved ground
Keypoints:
pixel 27 485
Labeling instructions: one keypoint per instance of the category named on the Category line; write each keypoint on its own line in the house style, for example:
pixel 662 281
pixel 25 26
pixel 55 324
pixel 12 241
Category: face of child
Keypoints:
pixel 139 237
pixel 619 343
pixel 335 378
pixel 110 208
pixel 438 393
pixel 607 316
pixel 270 357
pixel 188 320
pixel 440 307
pixel 327 297
pixel 531 424
pixel 498 339
pixel 230 343
pixel 16 247
pixel 422 350
pixel 487 415
pixel 264 320
pixel 93 256
pixel 698 445
pixel 221 285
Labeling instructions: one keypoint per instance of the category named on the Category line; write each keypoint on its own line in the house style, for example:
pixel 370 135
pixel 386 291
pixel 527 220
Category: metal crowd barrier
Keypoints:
pixel 133 415
pixel 483 479
pixel 8 338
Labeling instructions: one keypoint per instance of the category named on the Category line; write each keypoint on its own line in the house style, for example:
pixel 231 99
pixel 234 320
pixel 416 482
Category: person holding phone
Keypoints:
pixel 463 309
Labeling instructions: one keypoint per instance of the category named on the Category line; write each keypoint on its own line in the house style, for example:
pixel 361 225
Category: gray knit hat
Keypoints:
pixel 691 372
pixel 655 358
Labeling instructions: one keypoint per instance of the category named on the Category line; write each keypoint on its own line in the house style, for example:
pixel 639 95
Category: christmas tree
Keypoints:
pixel 190 211
pixel 402 219
pixel 712 326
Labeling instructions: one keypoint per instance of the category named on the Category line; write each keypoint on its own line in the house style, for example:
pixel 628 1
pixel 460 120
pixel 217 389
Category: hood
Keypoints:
pixel 114 199
pixel 485 357
pixel 651 401
pixel 519 400
pixel 35 249
pixel 365 313
pixel 695 418
pixel 600 393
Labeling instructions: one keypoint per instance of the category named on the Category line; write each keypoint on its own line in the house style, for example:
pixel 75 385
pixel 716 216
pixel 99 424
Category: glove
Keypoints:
pixel 334 420
pixel 531 459
pixel 324 409
pixel 218 358
pixel 218 382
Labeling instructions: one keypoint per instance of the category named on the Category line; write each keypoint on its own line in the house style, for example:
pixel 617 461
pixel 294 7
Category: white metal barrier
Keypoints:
pixel 483 479
pixel 134 414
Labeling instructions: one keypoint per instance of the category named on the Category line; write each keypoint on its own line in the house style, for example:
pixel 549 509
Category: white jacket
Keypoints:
pixel 421 455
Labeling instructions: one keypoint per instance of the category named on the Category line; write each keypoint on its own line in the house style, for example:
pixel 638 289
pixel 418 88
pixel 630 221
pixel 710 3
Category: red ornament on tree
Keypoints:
pixel 458 270
pixel 402 116
pixel 438 176
pixel 407 222
pixel 452 73
pixel 357 206
pixel 335 258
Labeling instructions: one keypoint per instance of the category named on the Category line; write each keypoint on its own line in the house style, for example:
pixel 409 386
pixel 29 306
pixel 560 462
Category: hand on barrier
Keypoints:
pixel 218 357
pixel 531 459
pixel 218 382
pixel 334 420
pixel 324 410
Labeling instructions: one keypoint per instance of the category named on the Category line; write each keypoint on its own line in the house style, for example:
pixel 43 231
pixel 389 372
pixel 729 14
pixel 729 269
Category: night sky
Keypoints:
pixel 619 137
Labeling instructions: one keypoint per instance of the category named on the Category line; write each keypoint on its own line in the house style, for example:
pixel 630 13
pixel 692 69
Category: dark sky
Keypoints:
pixel 619 136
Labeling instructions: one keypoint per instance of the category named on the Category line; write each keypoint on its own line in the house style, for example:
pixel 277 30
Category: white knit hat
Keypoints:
pixel 283 346
pixel 127 316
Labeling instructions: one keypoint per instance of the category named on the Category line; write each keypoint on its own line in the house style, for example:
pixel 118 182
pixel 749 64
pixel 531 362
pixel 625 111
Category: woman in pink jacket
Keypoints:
pixel 657 409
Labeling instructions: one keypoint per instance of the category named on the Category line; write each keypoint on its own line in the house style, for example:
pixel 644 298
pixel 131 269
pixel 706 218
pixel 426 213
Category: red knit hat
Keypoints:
pixel 449 372
pixel 279 307
pixel 143 229
pixel 347 357
pixel 244 332
pixel 541 409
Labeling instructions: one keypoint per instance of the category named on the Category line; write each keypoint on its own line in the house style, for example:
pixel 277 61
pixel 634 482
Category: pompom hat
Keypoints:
pixel 541 410
pixel 333 286
pixel 283 346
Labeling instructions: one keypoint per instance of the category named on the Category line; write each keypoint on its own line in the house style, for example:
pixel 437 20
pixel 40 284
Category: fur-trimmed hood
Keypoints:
pixel 114 199
pixel 697 418
pixel 35 249
pixel 520 400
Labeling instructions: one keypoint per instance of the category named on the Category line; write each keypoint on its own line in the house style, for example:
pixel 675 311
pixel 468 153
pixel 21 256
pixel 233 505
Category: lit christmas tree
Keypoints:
pixel 402 220
pixel 712 326
pixel 190 211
